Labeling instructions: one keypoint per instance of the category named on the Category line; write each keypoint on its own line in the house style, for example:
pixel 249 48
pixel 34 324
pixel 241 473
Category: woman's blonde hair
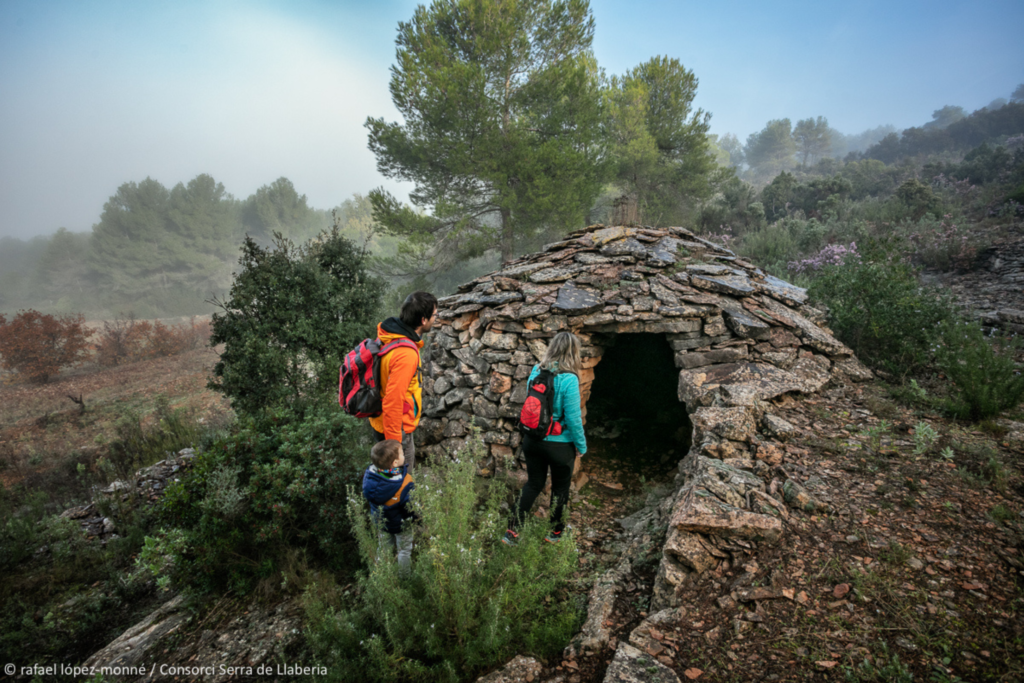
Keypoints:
pixel 563 354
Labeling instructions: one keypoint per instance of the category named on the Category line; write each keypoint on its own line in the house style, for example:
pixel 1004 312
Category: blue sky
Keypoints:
pixel 95 94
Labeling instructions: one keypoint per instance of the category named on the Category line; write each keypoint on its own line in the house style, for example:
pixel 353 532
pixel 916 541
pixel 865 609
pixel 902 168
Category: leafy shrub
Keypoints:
pixel 877 307
pixel 773 246
pixel 276 483
pixel 122 340
pixel 917 197
pixel 126 339
pixel 170 340
pixel 19 526
pixel 37 346
pixel 469 603
pixel 942 245
pixel 139 445
pixel 924 438
pixel 985 379
pixel 291 315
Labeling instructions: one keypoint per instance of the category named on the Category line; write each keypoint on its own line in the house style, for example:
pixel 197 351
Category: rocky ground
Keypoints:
pixel 994 290
pixel 910 565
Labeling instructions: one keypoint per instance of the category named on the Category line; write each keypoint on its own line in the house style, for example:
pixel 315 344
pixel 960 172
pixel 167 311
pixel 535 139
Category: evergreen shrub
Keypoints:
pixel 470 602
pixel 985 379
pixel 878 308
pixel 292 314
pixel 274 485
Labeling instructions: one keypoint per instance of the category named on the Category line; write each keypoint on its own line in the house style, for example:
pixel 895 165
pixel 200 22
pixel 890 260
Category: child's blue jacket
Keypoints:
pixel 388 496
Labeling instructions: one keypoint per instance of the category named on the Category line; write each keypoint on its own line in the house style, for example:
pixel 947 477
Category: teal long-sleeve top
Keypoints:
pixel 566 409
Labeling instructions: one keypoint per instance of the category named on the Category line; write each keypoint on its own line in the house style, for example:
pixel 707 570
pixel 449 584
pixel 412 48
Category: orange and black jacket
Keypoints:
pixel 401 393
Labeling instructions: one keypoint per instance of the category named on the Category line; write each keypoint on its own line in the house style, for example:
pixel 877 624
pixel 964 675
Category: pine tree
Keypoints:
pixel 500 100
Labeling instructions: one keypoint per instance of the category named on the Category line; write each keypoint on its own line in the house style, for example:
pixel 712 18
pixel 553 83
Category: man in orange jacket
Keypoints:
pixel 400 373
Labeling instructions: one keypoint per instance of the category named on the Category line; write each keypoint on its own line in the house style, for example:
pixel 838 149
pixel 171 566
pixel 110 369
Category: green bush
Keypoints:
pixel 470 602
pixel 772 247
pixel 292 314
pixel 918 198
pixel 878 308
pixel 20 526
pixel 984 377
pixel 137 445
pixel 277 483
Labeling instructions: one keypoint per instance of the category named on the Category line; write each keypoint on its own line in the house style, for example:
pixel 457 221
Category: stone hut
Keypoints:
pixel 739 338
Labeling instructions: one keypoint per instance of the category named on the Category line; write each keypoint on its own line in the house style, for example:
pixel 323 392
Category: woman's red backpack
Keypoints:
pixel 535 417
pixel 359 378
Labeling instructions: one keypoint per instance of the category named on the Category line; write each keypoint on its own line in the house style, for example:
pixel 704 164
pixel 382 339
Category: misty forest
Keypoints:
pixel 801 376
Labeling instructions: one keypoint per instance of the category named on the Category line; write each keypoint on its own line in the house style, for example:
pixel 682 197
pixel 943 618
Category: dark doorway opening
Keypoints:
pixel 634 415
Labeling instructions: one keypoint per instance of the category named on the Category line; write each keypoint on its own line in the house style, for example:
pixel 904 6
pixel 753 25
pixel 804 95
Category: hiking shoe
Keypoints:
pixel 510 537
pixel 554 537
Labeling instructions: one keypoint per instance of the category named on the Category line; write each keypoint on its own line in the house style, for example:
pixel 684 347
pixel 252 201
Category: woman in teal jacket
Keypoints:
pixel 556 452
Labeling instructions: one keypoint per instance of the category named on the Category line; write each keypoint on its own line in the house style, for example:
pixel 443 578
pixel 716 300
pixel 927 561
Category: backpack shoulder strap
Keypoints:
pixel 401 341
pixel 395 499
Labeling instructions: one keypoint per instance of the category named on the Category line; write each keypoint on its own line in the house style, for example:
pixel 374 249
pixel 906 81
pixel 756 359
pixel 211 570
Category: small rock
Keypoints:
pixel 798 497
pixel 915 564
pixel 841 590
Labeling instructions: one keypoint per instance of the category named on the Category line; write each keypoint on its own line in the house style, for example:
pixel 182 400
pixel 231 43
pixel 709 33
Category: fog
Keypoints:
pixel 98 94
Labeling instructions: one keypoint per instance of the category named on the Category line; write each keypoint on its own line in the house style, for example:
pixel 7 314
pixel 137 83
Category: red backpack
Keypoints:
pixel 359 378
pixel 535 415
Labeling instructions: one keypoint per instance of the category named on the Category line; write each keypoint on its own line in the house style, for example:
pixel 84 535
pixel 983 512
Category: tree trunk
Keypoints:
pixel 506 235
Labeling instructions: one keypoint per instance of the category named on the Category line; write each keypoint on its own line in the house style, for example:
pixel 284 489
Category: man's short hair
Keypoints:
pixel 385 453
pixel 417 306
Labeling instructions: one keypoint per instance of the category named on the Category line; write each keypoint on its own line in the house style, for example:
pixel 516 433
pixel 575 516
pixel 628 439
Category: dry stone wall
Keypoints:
pixel 741 338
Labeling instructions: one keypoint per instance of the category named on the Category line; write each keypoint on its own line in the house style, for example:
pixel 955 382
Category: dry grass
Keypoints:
pixel 41 426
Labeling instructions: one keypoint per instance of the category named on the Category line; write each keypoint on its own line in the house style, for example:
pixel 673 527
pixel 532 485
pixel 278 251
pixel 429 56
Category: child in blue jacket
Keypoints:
pixel 387 485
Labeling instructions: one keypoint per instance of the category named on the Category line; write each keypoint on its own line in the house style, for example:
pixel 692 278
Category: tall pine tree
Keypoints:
pixel 501 106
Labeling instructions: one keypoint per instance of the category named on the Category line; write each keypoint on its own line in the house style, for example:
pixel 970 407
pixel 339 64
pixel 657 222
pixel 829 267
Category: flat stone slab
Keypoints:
pixel 736 285
pixel 625 247
pixel 589 258
pixel 523 269
pixel 519 670
pixel 780 289
pixel 700 512
pixel 606 235
pixel 630 665
pixel 499 299
pixel 746 325
pixel 133 646
pixel 811 335
pixel 761 381
pixel 691 359
pixel 556 274
pixel 735 424
pixel 709 269
pixel 573 300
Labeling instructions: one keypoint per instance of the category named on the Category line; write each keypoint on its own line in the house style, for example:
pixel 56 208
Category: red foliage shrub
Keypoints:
pixel 123 340
pixel 167 340
pixel 37 346
pixel 127 339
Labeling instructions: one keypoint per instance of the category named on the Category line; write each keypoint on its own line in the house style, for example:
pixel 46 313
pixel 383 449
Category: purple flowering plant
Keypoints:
pixel 830 255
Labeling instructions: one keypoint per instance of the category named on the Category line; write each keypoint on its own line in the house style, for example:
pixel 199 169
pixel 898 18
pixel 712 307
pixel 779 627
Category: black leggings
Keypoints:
pixel 540 455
